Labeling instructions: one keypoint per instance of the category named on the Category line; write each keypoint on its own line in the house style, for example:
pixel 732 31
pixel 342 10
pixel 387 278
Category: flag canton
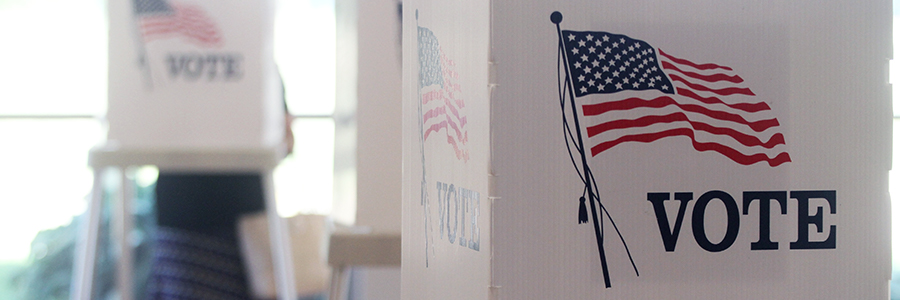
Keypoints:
pixel 429 59
pixel 601 62
pixel 146 7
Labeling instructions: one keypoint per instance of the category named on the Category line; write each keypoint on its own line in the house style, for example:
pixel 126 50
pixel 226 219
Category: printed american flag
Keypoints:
pixel 159 19
pixel 637 93
pixel 442 102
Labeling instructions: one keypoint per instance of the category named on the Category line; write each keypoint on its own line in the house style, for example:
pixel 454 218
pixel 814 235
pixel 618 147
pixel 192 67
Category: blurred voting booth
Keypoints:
pixel 192 87
pixel 670 150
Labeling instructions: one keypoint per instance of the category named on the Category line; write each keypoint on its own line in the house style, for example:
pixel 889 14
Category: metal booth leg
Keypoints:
pixel 340 277
pixel 86 243
pixel 123 218
pixel 281 251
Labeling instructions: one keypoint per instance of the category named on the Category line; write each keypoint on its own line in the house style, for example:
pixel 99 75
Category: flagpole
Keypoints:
pixel 142 47
pixel 556 18
pixel 424 187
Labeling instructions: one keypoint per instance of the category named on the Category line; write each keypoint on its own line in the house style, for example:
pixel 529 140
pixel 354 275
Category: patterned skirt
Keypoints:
pixel 189 265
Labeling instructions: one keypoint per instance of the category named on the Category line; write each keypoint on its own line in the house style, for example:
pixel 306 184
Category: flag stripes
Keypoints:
pixel 632 103
pixel 721 92
pixel 744 139
pixel 747 107
pixel 694 65
pixel 188 21
pixel 441 95
pixel 708 78
pixel 729 152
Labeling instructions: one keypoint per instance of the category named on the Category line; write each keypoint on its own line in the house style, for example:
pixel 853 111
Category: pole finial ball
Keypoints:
pixel 556 17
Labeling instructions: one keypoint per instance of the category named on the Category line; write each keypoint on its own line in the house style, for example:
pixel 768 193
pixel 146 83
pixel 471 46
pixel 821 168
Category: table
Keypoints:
pixel 210 160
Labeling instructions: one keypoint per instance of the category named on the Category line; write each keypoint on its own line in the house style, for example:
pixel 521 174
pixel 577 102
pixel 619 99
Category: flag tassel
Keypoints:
pixel 582 212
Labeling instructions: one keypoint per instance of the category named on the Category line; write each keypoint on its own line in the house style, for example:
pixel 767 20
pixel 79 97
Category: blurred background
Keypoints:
pixel 48 130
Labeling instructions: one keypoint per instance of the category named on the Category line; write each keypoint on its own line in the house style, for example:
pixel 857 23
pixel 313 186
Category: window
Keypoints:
pixel 305 53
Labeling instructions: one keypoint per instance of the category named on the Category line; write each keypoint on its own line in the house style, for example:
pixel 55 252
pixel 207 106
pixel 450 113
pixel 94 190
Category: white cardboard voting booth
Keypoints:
pixel 192 87
pixel 630 150
pixel 193 74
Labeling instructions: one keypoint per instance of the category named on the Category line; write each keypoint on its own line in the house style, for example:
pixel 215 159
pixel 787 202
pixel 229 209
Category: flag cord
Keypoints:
pixel 567 134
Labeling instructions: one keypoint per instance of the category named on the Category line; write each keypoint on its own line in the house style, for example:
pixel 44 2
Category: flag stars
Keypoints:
pixel 583 90
pixel 608 50
pixel 626 80
pixel 605 68
pixel 595 63
pixel 632 75
pixel 618 86
pixel 631 48
pixel 622 68
pixel 578 65
pixel 641 80
pixel 591 82
pixel 622 40
pixel 592 50
pixel 653 69
pixel 636 85
pixel 612 62
pixel 651 58
pixel 587 69
pixel 600 87
pixel 581 43
pixel 608 80
pixel 615 45
pixel 605 38
pixel 665 87
pixel 575 51
pixel 584 57
pixel 597 75
pixel 598 43
pixel 637 45
pixel 590 37
pixel 602 56
pixel 571 37
pixel 615 73
pixel 651 84
pixel 628 63
pixel 581 78
pixel 617 57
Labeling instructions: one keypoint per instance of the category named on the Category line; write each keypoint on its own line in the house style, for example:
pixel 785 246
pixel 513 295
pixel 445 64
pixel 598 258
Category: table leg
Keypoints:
pixel 86 243
pixel 281 246
pixel 124 223
pixel 340 278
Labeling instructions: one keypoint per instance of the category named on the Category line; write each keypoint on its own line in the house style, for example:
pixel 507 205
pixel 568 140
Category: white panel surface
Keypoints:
pixel 770 123
pixel 193 74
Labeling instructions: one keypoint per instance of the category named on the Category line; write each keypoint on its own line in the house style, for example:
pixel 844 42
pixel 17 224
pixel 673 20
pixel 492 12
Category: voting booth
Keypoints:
pixel 193 74
pixel 618 150
pixel 193 87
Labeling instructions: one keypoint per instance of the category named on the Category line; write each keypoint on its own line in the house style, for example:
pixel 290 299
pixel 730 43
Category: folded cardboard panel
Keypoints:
pixel 446 142
pixel 691 150
pixel 193 74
